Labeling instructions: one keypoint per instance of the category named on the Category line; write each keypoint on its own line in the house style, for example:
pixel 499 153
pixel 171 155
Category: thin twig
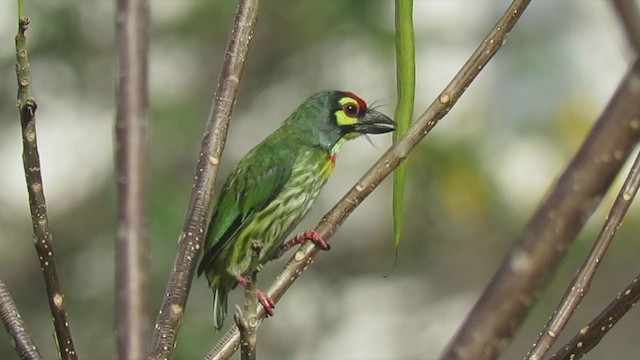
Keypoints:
pixel 247 319
pixel 581 282
pixel 629 15
pixel 132 242
pixel 31 160
pixel 590 335
pixel 191 239
pixel 16 329
pixel 569 203
pixel 383 167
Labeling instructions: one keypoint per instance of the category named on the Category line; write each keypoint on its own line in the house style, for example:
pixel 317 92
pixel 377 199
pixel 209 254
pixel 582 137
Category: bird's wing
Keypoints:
pixel 252 185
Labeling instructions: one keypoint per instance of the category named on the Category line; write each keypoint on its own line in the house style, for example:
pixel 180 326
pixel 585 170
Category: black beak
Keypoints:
pixel 374 122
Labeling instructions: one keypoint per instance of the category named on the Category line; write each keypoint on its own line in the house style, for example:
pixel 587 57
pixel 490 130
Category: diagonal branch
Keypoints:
pixel 581 282
pixel 630 17
pixel 43 240
pixel 191 238
pixel 16 329
pixel 569 203
pixel 385 165
pixel 590 335
pixel 132 242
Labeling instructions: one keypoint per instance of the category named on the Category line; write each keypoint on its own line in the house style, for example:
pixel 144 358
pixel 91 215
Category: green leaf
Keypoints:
pixel 406 81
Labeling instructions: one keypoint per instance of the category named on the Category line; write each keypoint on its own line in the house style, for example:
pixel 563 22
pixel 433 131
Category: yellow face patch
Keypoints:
pixel 347 118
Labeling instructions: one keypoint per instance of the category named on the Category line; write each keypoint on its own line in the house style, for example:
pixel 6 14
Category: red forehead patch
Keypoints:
pixel 361 104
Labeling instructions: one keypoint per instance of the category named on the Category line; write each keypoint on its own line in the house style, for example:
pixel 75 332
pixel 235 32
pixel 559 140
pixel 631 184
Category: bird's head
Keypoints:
pixel 329 118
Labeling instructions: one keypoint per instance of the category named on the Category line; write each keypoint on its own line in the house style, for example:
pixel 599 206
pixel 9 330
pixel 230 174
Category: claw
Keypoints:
pixel 317 239
pixel 310 235
pixel 266 301
pixel 242 281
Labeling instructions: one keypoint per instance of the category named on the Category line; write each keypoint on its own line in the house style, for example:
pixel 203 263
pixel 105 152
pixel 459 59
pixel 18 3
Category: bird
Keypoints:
pixel 274 185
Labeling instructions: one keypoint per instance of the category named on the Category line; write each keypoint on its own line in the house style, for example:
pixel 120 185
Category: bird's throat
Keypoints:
pixel 333 153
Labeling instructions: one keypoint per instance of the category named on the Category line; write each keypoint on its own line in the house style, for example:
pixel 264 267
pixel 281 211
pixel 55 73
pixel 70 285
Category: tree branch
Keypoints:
pixel 384 166
pixel 31 160
pixel 16 329
pixel 630 18
pixel 132 242
pixel 192 236
pixel 569 203
pixel 590 335
pixel 581 282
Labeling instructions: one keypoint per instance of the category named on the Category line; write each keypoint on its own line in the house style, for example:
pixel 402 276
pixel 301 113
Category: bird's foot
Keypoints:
pixel 264 299
pixel 242 281
pixel 310 235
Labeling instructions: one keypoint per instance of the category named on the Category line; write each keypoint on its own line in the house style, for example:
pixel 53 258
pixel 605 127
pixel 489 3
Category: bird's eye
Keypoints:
pixel 350 109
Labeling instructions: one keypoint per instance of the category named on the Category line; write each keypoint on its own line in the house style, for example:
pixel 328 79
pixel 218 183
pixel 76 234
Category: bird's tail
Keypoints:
pixel 220 293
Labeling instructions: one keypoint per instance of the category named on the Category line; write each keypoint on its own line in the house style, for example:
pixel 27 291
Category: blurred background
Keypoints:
pixel 472 183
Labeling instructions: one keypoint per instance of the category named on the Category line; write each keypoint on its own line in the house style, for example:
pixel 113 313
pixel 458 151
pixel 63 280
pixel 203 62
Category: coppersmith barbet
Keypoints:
pixel 273 187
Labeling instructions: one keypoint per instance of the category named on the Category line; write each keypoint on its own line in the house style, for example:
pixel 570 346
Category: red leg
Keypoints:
pixel 242 281
pixel 311 235
pixel 264 299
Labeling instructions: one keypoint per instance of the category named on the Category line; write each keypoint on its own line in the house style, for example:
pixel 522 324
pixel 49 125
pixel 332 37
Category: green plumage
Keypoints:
pixel 273 187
